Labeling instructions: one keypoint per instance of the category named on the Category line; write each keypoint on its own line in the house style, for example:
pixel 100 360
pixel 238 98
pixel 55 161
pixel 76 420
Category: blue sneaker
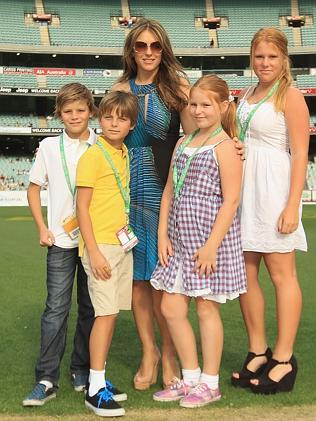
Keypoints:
pixel 79 381
pixel 118 396
pixel 39 395
pixel 103 404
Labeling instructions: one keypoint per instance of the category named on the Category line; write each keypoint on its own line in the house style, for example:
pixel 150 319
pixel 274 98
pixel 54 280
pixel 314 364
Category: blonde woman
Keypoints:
pixel 274 121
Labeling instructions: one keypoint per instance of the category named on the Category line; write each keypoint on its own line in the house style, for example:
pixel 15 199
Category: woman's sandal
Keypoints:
pixel 245 375
pixel 145 385
pixel 268 386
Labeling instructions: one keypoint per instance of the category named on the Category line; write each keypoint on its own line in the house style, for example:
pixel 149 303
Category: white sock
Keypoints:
pixel 47 384
pixel 191 377
pixel 211 381
pixel 97 381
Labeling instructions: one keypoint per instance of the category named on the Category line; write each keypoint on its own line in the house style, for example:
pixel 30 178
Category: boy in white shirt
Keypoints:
pixel 55 166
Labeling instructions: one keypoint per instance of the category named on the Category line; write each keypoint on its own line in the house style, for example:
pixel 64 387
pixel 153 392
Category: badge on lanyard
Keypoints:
pixel 127 238
pixel 71 226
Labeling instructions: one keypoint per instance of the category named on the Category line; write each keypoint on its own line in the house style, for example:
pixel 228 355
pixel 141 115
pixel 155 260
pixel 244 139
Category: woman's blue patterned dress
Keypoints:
pixel 150 145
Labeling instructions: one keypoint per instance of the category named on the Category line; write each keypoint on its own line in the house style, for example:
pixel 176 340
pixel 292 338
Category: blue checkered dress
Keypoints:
pixel 191 220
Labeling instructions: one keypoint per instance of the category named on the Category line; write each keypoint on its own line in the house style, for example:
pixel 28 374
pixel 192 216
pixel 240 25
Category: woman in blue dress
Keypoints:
pixel 152 73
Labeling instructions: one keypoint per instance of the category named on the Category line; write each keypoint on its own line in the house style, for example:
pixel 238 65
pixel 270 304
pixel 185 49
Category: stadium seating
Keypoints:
pixel 244 21
pixel 177 18
pixel 92 82
pixel 13 28
pixel 14 171
pixel 308 7
pixel 18 120
pixel 306 81
pixel 86 24
pixel 18 81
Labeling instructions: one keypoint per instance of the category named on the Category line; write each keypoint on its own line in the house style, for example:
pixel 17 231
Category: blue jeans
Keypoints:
pixel 61 269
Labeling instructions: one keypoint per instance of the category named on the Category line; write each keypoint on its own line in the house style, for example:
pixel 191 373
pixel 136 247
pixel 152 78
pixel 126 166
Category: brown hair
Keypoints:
pixel 217 90
pixel 279 40
pixel 74 92
pixel 124 103
pixel 168 78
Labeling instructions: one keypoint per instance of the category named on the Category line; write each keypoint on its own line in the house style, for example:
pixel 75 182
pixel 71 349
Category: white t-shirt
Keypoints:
pixel 48 170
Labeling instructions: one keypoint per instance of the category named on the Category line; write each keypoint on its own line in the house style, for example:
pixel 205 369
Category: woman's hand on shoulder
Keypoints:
pixel 240 148
pixel 187 122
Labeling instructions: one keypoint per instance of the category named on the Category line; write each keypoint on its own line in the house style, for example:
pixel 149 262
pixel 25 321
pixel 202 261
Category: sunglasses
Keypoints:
pixel 141 47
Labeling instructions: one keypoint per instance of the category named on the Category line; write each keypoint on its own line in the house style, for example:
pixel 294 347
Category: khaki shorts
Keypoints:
pixel 114 294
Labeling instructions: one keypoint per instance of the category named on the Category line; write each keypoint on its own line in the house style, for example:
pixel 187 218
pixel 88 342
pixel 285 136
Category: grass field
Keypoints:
pixel 22 296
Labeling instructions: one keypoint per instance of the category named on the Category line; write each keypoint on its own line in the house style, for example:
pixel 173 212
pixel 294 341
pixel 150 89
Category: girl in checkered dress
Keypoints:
pixel 199 244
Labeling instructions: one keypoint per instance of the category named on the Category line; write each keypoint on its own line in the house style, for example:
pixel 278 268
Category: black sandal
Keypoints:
pixel 269 386
pixel 246 375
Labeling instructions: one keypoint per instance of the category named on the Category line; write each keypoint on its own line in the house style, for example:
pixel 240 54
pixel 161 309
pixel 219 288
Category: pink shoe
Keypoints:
pixel 200 395
pixel 175 392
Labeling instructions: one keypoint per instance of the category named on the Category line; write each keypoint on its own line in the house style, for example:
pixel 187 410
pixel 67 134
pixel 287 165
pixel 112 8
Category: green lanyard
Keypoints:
pixel 242 127
pixel 179 181
pixel 72 189
pixel 124 191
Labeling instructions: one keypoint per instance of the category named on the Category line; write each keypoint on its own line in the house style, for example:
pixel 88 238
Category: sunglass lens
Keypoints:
pixel 156 47
pixel 140 47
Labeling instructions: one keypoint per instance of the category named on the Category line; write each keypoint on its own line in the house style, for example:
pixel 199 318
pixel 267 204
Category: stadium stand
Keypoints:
pixel 178 18
pixel 86 24
pixel 306 81
pixel 12 23
pixel 14 171
pixel 95 26
pixel 308 7
pixel 243 20
pixel 18 81
pixel 19 120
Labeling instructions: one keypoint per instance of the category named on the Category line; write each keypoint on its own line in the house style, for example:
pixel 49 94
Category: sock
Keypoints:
pixel 47 384
pixel 191 377
pixel 211 381
pixel 97 381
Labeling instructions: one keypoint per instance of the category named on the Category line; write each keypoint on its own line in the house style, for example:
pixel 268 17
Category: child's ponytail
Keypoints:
pixel 229 118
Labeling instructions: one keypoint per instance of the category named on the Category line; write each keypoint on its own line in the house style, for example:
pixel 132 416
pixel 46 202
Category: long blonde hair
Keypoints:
pixel 217 90
pixel 168 78
pixel 279 40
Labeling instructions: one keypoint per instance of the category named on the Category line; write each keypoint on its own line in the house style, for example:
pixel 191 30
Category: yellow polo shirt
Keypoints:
pixel 107 208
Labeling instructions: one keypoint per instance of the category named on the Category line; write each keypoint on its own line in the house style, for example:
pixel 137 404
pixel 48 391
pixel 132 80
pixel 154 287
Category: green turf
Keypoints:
pixel 22 296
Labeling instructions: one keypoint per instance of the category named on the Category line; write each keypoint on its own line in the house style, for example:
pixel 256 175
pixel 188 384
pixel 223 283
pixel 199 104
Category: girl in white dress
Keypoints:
pixel 274 123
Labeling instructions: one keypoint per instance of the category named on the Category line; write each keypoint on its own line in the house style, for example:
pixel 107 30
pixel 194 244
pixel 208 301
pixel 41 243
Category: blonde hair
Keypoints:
pixel 168 78
pixel 74 92
pixel 279 40
pixel 125 104
pixel 217 90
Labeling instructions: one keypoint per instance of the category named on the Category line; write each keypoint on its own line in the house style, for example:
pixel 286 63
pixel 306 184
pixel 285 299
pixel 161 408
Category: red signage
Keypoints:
pixel 51 71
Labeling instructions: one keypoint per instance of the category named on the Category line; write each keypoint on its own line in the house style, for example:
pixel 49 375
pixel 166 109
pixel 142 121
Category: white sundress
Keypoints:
pixel 266 182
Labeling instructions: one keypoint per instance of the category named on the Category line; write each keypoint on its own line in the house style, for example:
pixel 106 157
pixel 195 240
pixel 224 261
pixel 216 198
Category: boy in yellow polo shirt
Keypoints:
pixel 102 211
